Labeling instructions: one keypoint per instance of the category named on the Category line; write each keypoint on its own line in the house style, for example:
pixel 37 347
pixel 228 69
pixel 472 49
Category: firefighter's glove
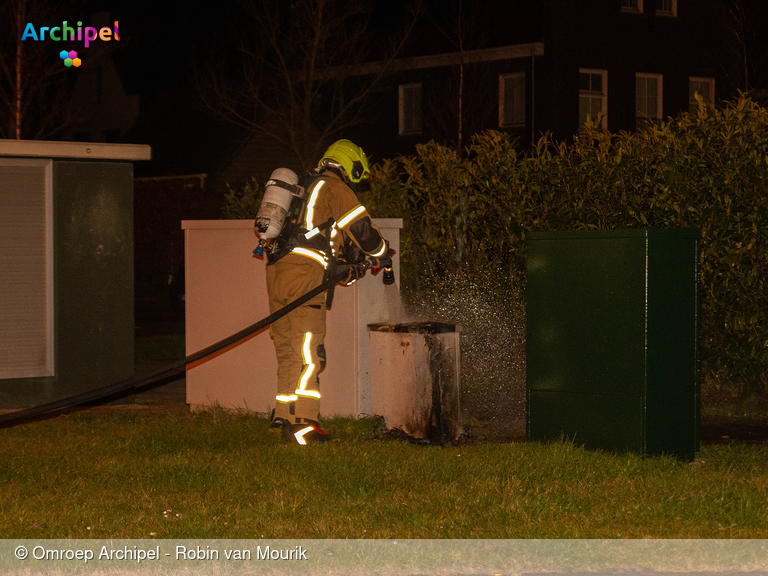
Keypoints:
pixel 355 273
pixel 382 262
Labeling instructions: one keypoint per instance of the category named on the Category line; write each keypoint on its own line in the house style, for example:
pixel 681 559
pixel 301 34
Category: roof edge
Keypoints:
pixel 89 150
pixel 509 52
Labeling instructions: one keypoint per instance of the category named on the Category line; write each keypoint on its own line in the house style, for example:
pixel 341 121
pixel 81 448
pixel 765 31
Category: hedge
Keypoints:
pixel 707 170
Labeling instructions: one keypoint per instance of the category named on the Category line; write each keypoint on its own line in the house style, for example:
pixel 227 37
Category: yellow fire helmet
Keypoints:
pixel 350 156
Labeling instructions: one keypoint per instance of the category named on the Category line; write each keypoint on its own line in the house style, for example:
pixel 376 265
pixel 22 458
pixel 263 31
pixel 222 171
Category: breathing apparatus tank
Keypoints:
pixel 281 188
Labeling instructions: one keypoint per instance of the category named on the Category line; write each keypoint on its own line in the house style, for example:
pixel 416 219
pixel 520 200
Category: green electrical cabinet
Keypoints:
pixel 612 339
pixel 66 268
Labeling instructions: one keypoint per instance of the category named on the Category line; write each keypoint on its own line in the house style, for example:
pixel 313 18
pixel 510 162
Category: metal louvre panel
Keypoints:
pixel 25 269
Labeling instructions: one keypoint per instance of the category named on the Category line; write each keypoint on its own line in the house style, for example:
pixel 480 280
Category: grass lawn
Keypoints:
pixel 111 474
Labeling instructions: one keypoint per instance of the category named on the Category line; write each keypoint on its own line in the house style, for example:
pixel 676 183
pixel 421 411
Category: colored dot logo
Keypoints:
pixel 70 58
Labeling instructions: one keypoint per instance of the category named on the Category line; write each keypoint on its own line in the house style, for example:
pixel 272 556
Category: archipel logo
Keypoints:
pixel 70 58
pixel 64 33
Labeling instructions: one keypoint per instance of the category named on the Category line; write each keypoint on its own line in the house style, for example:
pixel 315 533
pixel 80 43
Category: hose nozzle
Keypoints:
pixel 389 276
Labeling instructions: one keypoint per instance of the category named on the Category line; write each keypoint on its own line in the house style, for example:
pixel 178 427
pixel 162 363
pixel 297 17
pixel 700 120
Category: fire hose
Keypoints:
pixel 177 366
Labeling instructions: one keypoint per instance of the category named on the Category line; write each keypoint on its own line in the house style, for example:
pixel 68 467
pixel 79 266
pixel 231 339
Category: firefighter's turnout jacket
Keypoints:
pixel 299 335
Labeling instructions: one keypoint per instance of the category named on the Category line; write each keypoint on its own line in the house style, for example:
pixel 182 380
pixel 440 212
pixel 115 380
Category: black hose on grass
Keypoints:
pixel 135 381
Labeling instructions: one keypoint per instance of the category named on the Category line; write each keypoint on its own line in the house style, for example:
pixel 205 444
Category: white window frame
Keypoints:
pixel 519 105
pixel 592 94
pixel 659 96
pixel 45 366
pixel 693 104
pixel 403 126
pixel 672 13
pixel 634 9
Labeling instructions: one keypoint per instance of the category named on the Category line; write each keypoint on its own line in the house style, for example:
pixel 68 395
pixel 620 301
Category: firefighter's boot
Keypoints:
pixel 308 433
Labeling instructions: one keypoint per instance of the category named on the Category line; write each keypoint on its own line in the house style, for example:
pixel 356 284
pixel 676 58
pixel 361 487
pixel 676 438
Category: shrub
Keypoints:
pixel 243 203
pixel 707 170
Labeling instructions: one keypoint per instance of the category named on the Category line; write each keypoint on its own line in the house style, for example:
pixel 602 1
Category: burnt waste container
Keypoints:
pixel 612 339
pixel 415 378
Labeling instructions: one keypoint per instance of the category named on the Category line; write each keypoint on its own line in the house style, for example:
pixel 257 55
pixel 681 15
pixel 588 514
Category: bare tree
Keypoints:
pixel 300 77
pixel 34 83
pixel 466 108
pixel 745 25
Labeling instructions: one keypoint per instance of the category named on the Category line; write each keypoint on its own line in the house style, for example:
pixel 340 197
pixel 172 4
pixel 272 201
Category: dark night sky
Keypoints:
pixel 162 40
pixel 160 43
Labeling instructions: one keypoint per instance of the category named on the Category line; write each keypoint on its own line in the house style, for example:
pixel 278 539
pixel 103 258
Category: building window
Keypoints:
pixel 410 109
pixel 593 96
pixel 648 97
pixel 634 6
pixel 666 7
pixel 512 100
pixel 705 87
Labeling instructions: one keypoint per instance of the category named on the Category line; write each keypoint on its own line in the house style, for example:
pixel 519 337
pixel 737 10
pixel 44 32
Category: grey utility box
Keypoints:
pixel 66 268
pixel 612 339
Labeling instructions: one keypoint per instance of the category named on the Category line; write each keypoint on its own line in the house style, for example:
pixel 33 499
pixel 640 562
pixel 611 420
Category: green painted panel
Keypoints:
pixel 592 420
pixel 94 273
pixel 586 300
pixel 673 425
pixel 612 321
pixel 93 283
pixel 672 317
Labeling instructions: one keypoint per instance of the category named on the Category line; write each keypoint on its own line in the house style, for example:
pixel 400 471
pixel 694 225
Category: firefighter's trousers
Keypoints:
pixel 298 337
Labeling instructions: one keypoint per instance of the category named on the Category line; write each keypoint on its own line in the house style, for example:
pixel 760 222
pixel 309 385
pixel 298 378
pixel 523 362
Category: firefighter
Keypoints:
pixel 333 225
